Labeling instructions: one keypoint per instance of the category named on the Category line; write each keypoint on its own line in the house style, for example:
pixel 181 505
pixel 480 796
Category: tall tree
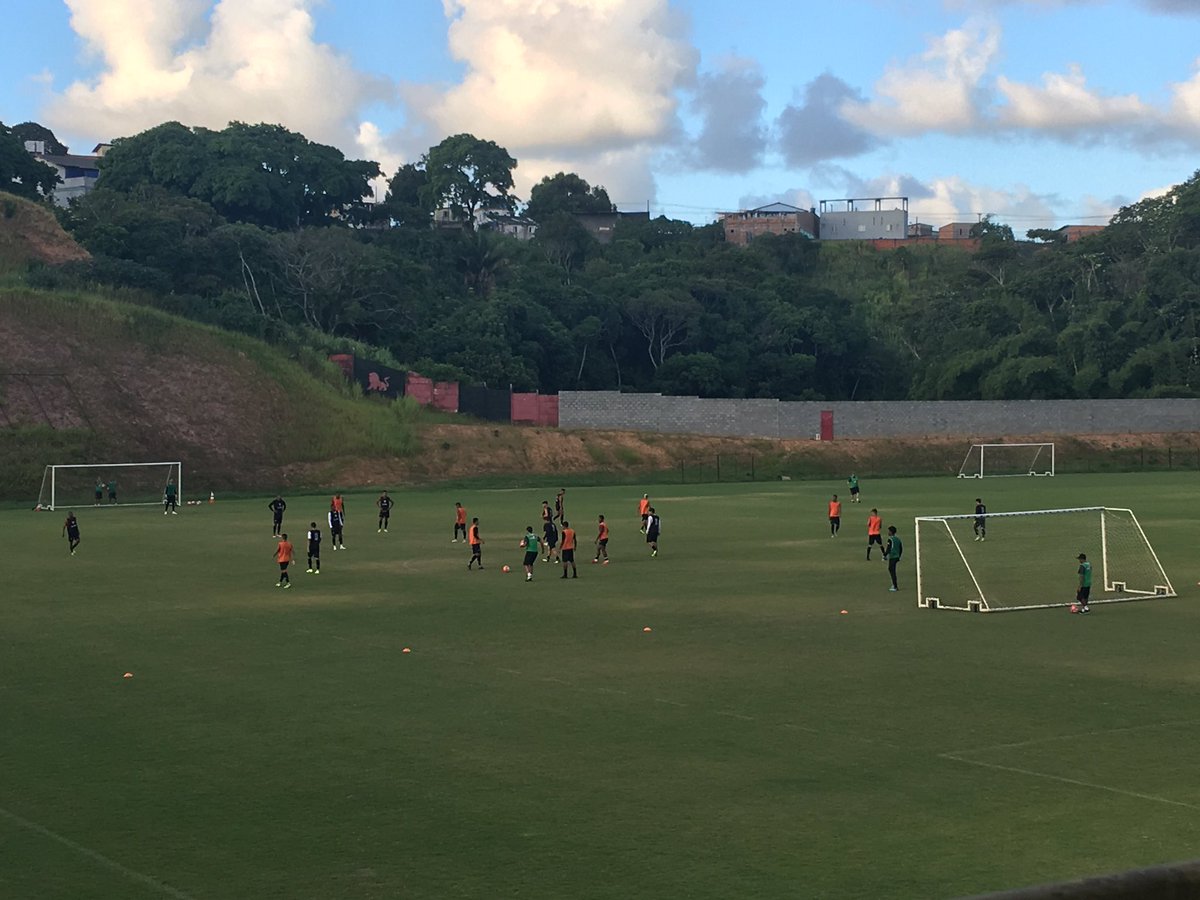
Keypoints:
pixel 261 174
pixel 566 193
pixel 20 173
pixel 404 203
pixel 467 174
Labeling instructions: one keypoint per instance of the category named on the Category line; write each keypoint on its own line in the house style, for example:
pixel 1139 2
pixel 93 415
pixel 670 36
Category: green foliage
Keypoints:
pixel 234 228
pixel 466 174
pixel 260 174
pixel 20 173
pixel 566 193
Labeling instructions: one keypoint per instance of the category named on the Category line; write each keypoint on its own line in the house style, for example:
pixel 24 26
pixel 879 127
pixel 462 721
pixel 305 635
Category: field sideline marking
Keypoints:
pixel 1065 780
pixel 94 855
pixel 1071 737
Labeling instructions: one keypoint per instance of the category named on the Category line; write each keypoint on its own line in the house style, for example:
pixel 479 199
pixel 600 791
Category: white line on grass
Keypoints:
pixel 1149 726
pixel 95 856
pixel 1088 784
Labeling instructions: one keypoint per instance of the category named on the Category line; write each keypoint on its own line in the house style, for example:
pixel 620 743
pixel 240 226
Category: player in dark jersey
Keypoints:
pixel 170 498
pixel 277 506
pixel 560 503
pixel 550 541
pixel 385 510
pixel 980 520
pixel 337 522
pixel 314 549
pixel 71 531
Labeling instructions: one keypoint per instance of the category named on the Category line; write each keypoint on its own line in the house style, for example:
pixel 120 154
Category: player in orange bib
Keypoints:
pixel 874 531
pixel 337 504
pixel 460 523
pixel 835 516
pixel 476 543
pixel 644 510
pixel 602 542
pixel 568 549
pixel 283 556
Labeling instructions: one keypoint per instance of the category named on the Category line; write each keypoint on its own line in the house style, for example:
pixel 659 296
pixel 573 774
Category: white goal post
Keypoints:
pixel 109 484
pixel 996 460
pixel 1027 560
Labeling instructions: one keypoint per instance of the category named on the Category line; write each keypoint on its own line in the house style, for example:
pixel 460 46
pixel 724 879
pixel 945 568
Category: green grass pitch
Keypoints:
pixel 538 743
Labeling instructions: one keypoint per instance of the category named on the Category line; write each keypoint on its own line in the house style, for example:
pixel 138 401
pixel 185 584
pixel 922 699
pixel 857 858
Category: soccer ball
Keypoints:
pixel 505 569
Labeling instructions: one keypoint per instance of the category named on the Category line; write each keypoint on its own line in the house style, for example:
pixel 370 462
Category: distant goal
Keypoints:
pixel 93 484
pixel 997 460
pixel 1027 560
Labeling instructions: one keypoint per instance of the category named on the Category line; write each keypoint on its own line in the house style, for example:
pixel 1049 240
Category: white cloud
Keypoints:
pixel 1185 103
pixel 253 60
pixel 626 174
pixel 1064 103
pixel 941 90
pixel 546 76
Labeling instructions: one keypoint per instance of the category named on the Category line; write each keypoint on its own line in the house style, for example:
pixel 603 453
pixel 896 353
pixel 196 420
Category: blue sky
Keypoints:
pixel 1040 112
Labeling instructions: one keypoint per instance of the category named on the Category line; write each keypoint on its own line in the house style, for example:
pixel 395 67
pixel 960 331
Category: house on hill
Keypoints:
pixel 77 174
pixel 1073 233
pixel 744 226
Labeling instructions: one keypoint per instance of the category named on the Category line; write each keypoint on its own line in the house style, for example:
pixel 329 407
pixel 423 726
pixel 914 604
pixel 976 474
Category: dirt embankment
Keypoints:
pixel 453 452
pixel 29 233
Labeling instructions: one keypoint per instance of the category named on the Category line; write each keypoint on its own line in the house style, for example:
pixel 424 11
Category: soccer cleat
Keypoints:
pixel 891 590
pixel 983 538
pixel 654 553
pixel 309 571
pixel 1083 609
pixel 605 563
pixel 454 540
pixel 279 584
pixel 174 512
pixel 385 531
pixel 529 576
pixel 976 537
pixel 287 585
pixel 316 571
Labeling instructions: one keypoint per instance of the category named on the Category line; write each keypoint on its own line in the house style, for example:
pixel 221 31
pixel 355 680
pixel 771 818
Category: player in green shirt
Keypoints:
pixel 853 482
pixel 1083 593
pixel 530 544
pixel 112 490
pixel 169 498
pixel 892 553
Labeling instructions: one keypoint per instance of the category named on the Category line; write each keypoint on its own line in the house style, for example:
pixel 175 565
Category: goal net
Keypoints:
pixel 993 460
pixel 1027 560
pixel 111 484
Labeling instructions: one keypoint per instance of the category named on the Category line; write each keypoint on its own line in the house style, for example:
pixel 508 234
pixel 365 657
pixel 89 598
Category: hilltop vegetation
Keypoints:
pixel 220 227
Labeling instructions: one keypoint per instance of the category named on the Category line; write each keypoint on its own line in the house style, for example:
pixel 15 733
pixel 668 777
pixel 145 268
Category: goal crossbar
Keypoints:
pixel 1129 567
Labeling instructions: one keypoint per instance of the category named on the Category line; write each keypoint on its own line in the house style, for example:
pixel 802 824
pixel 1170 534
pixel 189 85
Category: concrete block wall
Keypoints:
pixel 871 418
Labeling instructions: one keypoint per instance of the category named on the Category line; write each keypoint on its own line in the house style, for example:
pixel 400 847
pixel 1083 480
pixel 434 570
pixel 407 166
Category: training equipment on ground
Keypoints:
pixel 1028 561
pixel 996 460
pixel 505 569
pixel 138 484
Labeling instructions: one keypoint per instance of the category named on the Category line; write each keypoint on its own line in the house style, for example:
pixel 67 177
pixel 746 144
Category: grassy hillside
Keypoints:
pixel 29 233
pixel 87 379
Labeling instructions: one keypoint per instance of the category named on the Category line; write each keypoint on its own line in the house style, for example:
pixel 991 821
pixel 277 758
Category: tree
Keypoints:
pixel 20 173
pixel 564 241
pixel 261 174
pixel 566 193
pixel 32 131
pixel 663 316
pixel 404 204
pixel 467 174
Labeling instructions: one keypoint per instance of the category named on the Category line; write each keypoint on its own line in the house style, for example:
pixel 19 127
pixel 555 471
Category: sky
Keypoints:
pixel 1040 113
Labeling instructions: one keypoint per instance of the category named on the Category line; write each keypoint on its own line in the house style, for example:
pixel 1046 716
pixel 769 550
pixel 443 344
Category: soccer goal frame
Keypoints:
pixel 1040 457
pixel 48 497
pixel 1136 575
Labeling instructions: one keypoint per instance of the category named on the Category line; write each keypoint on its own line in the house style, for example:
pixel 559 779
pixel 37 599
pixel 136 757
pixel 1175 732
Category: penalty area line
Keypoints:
pixel 94 855
pixel 1072 781
pixel 1149 726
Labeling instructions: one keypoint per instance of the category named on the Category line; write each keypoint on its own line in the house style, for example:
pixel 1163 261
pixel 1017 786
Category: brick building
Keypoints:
pixel 744 226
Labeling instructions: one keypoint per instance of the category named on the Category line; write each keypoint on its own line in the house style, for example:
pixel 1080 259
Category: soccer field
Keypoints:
pixel 537 742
